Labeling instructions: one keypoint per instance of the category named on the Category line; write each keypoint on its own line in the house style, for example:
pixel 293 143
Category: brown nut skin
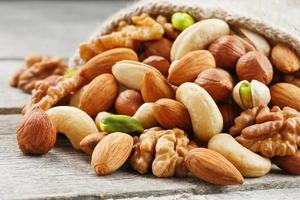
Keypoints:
pixel 229 113
pixel 227 50
pixel 161 47
pixel 212 167
pixel 285 94
pixel 290 164
pixel 36 133
pixel 217 82
pixel 88 144
pixel 254 66
pixel 285 59
pixel 164 108
pixel 128 102
pixel 160 63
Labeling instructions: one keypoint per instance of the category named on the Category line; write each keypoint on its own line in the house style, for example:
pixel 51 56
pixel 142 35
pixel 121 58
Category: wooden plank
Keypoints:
pixel 50 27
pixel 66 173
pixel 11 99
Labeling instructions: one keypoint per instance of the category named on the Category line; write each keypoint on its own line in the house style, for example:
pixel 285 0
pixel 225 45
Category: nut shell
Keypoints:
pixel 290 164
pixel 128 102
pixel 254 66
pixel 227 50
pixel 36 133
pixel 111 153
pixel 217 82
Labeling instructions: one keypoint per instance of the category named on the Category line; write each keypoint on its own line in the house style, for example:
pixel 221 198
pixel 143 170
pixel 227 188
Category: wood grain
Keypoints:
pixel 66 173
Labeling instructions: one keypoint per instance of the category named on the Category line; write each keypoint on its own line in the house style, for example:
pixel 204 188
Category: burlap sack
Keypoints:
pixel 278 21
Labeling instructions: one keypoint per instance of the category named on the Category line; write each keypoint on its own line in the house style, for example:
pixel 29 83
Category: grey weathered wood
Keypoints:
pixel 66 173
pixel 11 99
pixel 49 27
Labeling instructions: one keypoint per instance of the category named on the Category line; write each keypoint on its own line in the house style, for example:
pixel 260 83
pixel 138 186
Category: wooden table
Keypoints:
pixel 47 28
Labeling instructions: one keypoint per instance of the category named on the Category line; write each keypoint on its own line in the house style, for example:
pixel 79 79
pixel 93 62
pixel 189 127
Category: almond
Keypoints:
pixel 285 59
pixel 155 87
pixel 290 164
pixel 212 167
pixel 131 73
pixel 103 62
pixel 111 153
pixel 189 66
pixel 285 94
pixel 164 108
pixel 99 95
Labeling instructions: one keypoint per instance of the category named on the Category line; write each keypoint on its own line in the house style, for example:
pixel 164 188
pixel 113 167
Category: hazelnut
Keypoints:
pixel 128 102
pixel 254 66
pixel 227 50
pixel 88 143
pixel 229 113
pixel 36 133
pixel 217 82
pixel 248 95
pixel 285 59
pixel 161 47
pixel 159 63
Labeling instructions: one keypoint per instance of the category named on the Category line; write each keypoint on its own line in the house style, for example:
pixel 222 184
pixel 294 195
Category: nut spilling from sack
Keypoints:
pixel 160 94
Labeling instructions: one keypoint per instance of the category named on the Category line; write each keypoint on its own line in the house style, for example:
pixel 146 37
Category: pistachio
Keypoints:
pixel 250 94
pixel 182 20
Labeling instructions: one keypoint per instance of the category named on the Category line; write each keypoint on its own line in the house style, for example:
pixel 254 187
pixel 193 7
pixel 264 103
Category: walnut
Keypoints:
pixel 163 150
pixel 144 28
pixel 144 150
pixel 272 132
pixel 37 68
pixel 170 31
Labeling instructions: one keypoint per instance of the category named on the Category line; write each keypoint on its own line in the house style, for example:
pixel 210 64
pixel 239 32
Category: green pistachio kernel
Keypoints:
pixel 69 73
pixel 182 21
pixel 246 95
pixel 120 123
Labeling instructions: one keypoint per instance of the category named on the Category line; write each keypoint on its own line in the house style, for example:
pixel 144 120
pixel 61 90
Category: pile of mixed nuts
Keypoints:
pixel 174 96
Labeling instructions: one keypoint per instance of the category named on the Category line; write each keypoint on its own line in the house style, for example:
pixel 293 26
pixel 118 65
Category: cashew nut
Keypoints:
pixel 198 36
pixel 145 115
pixel 205 115
pixel 247 162
pixel 72 122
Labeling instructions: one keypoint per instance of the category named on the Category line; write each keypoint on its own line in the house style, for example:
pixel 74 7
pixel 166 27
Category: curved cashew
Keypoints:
pixel 198 36
pixel 72 122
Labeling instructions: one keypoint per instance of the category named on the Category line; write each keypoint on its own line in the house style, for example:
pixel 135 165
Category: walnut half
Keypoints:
pixel 272 132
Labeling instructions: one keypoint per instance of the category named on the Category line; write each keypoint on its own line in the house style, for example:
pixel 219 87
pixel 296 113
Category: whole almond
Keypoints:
pixel 160 63
pixel 189 66
pixel 99 94
pixel 128 102
pixel 285 59
pixel 111 153
pixel 172 114
pixel 290 164
pixel 155 88
pixel 212 167
pixel 103 62
pixel 285 94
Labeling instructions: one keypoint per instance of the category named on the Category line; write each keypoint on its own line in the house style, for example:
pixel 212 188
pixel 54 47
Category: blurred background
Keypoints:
pixel 50 27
